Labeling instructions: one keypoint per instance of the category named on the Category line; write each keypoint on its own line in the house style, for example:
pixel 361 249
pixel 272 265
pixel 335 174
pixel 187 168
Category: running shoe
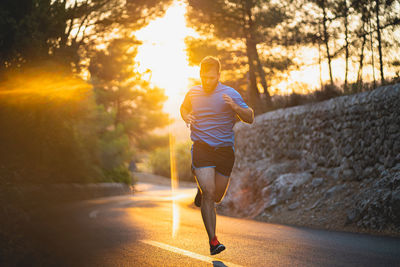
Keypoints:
pixel 197 199
pixel 216 248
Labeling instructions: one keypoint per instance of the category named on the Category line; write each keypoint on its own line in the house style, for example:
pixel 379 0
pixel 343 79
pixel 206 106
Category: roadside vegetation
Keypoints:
pixel 159 161
pixel 74 108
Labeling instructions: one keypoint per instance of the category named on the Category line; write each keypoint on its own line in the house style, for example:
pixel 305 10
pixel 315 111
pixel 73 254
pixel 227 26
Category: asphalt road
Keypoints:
pixel 147 229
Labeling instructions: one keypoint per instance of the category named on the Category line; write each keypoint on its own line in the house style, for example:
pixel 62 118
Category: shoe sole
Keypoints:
pixel 218 249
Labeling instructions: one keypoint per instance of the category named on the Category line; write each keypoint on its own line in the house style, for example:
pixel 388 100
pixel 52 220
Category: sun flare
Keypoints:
pixel 164 53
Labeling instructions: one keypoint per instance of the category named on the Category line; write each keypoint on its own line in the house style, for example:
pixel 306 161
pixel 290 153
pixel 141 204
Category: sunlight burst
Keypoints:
pixel 163 52
pixel 174 184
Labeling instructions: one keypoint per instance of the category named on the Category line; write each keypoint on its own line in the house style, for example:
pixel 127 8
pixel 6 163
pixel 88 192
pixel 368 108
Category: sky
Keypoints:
pixel 163 52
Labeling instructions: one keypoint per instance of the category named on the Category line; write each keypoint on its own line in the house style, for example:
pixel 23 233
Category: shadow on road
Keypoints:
pixel 219 264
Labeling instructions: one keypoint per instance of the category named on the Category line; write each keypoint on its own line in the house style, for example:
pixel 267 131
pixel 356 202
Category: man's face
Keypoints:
pixel 209 79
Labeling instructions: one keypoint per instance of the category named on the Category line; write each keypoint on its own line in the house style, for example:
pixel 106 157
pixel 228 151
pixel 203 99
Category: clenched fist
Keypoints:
pixel 228 100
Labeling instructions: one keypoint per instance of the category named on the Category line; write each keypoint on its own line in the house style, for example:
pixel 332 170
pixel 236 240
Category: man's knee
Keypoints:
pixel 208 193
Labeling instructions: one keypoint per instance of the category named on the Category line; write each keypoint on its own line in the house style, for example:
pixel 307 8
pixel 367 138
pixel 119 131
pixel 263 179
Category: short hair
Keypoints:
pixel 210 62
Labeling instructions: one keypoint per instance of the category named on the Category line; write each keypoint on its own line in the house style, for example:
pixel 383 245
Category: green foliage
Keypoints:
pixel 131 106
pixel 33 31
pixel 50 137
pixel 160 161
pixel 115 149
pixel 40 30
pixel 256 24
pixel 151 142
pixel 54 128
pixel 135 105
pixel 119 174
pixel 295 99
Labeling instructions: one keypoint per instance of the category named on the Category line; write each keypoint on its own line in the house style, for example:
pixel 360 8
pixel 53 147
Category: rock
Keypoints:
pixel 266 192
pixel 348 150
pixel 269 197
pixel 389 162
pixel 352 216
pixel 283 188
pixel 348 175
pixel 294 206
pixel 273 171
pixel 396 146
pixel 292 179
pixel 393 128
pixel 334 173
pixel 368 172
pixel 293 154
pixel 264 216
pixel 316 203
pixel 358 169
pixel 396 168
pixel 395 204
pixel 317 182
pixel 345 163
pixel 333 190
pixel 380 168
pixel 382 159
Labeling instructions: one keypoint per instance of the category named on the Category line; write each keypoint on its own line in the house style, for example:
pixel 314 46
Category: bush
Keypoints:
pixel 48 131
pixel 53 131
pixel 119 174
pixel 327 92
pixel 160 161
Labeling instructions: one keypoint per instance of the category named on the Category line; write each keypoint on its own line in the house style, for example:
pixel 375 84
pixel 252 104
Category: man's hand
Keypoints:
pixel 228 100
pixel 245 114
pixel 190 119
pixel 187 115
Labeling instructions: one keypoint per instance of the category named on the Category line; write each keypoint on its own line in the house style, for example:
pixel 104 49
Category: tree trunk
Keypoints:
pixel 346 32
pixel 253 49
pixel 319 57
pixel 378 30
pixel 253 93
pixel 326 40
pixel 360 67
pixel 261 74
pixel 372 51
pixel 117 108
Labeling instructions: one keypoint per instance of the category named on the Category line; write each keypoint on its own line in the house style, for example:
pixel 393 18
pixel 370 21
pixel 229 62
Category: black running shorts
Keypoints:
pixel 220 158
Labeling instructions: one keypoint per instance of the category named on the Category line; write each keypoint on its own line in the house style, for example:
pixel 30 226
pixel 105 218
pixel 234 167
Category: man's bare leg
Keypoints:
pixel 206 180
pixel 221 186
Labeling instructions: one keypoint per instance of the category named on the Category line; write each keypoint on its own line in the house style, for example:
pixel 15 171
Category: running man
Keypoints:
pixel 212 109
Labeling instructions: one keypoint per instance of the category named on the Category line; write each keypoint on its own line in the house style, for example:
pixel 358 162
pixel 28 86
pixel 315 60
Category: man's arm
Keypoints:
pixel 186 110
pixel 245 114
pixel 187 115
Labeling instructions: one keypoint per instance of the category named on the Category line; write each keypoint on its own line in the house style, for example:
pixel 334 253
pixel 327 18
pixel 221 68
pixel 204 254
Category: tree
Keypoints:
pixel 341 9
pixel 39 30
pixel 385 18
pixel 135 106
pixel 244 24
pixel 33 31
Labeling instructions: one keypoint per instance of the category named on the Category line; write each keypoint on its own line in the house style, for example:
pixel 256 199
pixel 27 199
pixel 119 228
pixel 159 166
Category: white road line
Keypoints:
pixel 93 214
pixel 187 253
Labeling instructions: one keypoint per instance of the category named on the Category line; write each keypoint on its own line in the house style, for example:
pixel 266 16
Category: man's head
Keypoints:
pixel 210 68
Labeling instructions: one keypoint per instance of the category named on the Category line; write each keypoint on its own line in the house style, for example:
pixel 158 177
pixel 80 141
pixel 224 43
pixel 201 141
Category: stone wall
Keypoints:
pixel 333 164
